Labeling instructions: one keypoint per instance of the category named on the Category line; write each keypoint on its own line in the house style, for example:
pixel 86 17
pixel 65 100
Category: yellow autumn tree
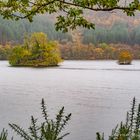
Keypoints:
pixel 36 51
pixel 125 57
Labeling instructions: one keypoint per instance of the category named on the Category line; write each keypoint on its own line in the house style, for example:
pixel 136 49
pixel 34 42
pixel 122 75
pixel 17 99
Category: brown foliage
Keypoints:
pixel 100 51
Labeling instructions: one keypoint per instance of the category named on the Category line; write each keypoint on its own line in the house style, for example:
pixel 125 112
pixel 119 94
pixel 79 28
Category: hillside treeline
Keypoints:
pixel 69 51
pixel 15 31
pixel 119 32
pixel 97 52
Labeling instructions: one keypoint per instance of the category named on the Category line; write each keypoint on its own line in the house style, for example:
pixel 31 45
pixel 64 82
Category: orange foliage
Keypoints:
pixel 125 57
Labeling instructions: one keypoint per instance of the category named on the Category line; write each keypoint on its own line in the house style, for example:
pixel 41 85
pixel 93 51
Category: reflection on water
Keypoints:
pixel 98 93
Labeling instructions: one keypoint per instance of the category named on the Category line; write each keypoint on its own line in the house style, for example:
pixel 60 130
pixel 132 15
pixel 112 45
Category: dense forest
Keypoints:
pixel 116 32
pixel 119 32
pixel 72 51
pixel 105 42
pixel 97 52
pixel 14 31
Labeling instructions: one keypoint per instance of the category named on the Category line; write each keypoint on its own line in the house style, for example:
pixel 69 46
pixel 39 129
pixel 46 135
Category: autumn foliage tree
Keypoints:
pixel 125 57
pixel 36 51
pixel 5 51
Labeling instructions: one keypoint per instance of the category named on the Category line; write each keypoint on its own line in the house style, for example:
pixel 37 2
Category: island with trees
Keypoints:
pixel 36 51
pixel 125 57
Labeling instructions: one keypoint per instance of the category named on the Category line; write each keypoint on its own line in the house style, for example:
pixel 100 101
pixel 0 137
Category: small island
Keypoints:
pixel 125 57
pixel 36 51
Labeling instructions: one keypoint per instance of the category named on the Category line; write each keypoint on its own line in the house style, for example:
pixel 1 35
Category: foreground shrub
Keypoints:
pixel 128 130
pixel 52 129
pixel 47 130
pixel 4 135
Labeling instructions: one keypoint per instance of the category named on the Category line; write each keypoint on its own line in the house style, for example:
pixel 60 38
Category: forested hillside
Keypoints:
pixel 112 28
pixel 115 31
pixel 14 31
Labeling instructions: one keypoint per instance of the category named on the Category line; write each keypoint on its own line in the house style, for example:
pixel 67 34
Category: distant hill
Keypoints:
pixel 14 31
pixel 111 27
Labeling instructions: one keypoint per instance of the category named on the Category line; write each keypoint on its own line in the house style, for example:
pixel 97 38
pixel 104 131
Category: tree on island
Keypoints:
pixel 36 51
pixel 71 13
pixel 125 57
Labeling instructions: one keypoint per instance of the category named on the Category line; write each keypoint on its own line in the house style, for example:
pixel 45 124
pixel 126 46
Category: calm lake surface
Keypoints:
pixel 97 93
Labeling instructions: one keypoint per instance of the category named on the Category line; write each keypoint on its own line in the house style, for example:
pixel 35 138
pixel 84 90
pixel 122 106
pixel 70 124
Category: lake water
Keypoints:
pixel 97 93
